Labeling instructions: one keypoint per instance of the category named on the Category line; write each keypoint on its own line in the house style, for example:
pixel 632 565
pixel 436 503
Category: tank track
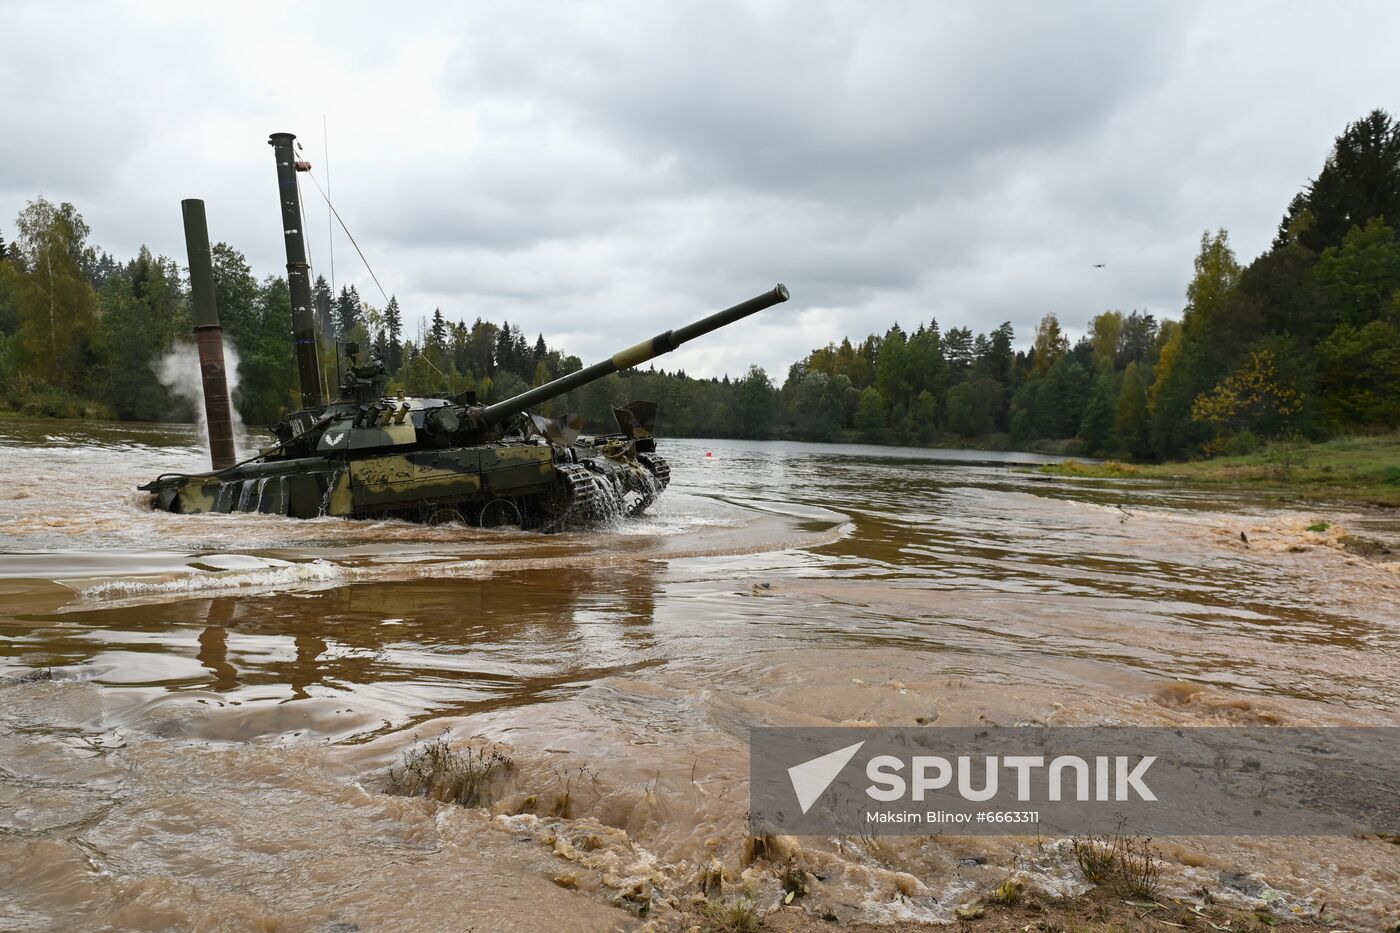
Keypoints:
pixel 658 466
pixel 582 501
pixel 661 472
pixel 580 495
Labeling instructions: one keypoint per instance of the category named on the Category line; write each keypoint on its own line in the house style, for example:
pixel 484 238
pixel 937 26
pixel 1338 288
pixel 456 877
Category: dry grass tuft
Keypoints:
pixel 1127 863
pixel 1095 856
pixel 1139 872
pixel 730 917
pixel 436 771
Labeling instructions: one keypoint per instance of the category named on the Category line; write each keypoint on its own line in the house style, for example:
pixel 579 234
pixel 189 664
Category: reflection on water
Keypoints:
pixel 170 683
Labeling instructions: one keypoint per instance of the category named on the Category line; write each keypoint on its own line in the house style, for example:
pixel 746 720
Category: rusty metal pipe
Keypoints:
pixel 209 336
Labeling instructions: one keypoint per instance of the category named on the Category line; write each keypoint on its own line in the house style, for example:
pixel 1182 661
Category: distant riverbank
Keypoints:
pixel 1355 469
pixel 989 442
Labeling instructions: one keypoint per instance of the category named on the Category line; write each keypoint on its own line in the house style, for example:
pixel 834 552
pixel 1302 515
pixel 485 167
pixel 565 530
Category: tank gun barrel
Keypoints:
pixel 633 356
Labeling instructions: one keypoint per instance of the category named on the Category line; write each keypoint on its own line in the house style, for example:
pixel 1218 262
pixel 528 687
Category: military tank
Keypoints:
pixel 368 454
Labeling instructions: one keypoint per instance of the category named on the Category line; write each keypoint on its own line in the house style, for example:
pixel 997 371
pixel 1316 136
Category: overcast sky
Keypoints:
pixel 600 173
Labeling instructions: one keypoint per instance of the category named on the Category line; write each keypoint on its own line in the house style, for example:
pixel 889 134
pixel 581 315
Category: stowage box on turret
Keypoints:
pixel 366 454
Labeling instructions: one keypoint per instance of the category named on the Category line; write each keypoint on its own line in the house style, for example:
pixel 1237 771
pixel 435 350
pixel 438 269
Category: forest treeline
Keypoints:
pixel 1302 341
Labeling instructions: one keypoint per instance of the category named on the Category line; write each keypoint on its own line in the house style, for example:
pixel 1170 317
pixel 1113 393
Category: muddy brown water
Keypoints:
pixel 197 712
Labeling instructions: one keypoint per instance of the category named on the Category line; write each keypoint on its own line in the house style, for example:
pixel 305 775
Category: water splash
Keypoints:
pixel 608 504
pixel 652 487
pixel 330 489
pixel 179 372
pixel 223 502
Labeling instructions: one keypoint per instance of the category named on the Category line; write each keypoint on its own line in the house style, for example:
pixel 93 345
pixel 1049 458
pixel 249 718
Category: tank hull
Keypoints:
pixel 526 484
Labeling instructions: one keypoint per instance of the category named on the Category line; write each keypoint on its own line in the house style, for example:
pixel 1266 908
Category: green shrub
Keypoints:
pixel 1240 444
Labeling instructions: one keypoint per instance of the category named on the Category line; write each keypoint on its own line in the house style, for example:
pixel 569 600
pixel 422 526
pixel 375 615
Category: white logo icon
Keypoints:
pixel 811 778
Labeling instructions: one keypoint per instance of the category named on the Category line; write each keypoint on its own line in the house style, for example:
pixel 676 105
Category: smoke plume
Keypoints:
pixel 179 372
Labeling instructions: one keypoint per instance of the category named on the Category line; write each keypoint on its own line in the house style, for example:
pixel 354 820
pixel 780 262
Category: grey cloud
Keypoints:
pixel 595 172
pixel 831 99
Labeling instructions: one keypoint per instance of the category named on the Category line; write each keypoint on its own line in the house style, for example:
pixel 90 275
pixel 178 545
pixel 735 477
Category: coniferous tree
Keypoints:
pixel 505 350
pixel 393 327
pixel 347 311
pixel 323 301
pixel 1136 339
pixel 9 299
pixel 1096 425
pixel 437 333
pixel 755 404
pixel 1131 420
pixel 143 314
pixel 99 266
pixel 1001 355
pixel 958 350
pixel 1359 182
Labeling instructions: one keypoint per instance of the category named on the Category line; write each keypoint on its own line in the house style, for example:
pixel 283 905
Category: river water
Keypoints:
pixel 197 713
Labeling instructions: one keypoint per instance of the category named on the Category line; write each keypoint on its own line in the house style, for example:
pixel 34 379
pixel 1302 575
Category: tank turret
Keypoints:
pixel 361 411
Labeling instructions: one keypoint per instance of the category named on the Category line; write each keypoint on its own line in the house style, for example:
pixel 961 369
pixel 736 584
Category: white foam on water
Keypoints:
pixel 664 524
pixel 276 573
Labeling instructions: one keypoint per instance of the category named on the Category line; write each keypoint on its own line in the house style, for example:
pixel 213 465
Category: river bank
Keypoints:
pixel 1363 470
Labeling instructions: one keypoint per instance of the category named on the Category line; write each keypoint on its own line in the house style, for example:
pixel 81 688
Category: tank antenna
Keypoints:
pixel 330 228
pixel 341 221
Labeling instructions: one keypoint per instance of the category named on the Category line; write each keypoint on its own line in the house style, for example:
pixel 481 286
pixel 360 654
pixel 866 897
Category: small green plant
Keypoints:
pixel 730 917
pixel 1319 527
pixel 1239 444
pixel 1009 892
pixel 437 771
pixel 794 879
